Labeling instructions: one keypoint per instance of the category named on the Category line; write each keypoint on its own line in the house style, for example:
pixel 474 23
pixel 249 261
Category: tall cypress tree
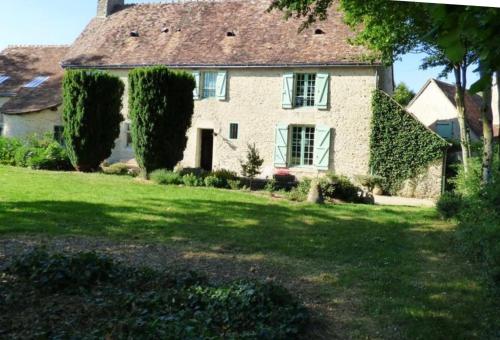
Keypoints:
pixel 92 102
pixel 161 108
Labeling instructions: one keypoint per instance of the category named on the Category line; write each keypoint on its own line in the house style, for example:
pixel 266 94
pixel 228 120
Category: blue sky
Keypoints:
pixel 60 22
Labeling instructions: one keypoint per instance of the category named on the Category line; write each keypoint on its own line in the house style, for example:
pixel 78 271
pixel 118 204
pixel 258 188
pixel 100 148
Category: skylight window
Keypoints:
pixel 37 81
pixel 3 78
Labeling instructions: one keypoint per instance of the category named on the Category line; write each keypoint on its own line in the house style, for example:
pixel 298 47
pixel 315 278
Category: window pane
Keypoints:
pixel 233 131
pixel 309 146
pixel 302 146
pixel 305 87
pixel 209 84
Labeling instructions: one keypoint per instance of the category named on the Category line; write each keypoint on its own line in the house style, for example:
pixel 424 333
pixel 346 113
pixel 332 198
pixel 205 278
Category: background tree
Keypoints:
pixel 390 29
pixel 402 94
pixel 161 108
pixel 92 102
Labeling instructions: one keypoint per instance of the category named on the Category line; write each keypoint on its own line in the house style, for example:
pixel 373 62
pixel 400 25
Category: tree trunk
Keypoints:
pixel 486 118
pixel 460 102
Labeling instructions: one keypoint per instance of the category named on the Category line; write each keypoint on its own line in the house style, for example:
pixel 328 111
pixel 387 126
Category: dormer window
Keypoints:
pixel 231 34
pixel 36 82
pixel 3 78
pixel 319 31
pixel 134 34
pixel 164 30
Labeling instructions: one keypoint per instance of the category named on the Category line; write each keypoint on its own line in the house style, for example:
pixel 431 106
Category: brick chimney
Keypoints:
pixel 106 7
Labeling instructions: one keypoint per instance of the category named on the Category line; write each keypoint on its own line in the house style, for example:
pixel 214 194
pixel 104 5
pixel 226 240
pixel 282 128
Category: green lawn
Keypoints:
pixel 372 272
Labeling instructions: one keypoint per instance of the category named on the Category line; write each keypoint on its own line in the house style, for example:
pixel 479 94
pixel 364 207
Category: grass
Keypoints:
pixel 370 271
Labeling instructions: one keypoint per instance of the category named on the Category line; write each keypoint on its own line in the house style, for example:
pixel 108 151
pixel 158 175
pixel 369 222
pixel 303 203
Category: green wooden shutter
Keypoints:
pixel 322 135
pixel 322 93
pixel 287 99
pixel 196 91
pixel 281 146
pixel 221 85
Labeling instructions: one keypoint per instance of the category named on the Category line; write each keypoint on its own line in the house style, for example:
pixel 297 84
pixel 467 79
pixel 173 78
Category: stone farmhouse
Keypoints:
pixel 303 98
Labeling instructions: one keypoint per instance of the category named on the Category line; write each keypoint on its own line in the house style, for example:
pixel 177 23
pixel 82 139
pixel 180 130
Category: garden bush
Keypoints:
pixel 234 184
pixel 166 177
pixel 92 102
pixel 478 232
pixel 225 176
pixel 449 205
pixel 340 187
pixel 8 148
pixel 191 180
pixel 215 182
pixel 120 169
pixel 118 302
pixel 299 193
pixel 36 152
pixel 161 107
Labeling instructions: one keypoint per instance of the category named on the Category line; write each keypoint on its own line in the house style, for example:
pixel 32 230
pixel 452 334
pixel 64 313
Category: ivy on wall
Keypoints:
pixel 400 146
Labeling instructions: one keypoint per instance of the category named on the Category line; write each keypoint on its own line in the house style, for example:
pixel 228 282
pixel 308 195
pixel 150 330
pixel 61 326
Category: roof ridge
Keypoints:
pixel 182 2
pixel 37 46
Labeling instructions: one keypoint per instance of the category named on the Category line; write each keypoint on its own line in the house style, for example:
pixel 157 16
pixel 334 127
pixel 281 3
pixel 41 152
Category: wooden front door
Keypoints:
pixel 207 149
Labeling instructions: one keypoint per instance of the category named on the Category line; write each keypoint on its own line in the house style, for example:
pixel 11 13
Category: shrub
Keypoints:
pixel 145 303
pixel 92 102
pixel 468 184
pixel 120 169
pixel 400 146
pixel 225 176
pixel 251 167
pixel 271 185
pixel 8 148
pixel 449 205
pixel 161 107
pixel 198 172
pixel 166 177
pixel 369 181
pixel 341 187
pixel 215 182
pixel 36 152
pixel 234 184
pixel 191 180
pixel 300 192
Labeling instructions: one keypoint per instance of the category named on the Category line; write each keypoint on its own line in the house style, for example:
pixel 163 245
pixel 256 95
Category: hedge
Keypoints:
pixel 400 146
pixel 161 108
pixel 92 102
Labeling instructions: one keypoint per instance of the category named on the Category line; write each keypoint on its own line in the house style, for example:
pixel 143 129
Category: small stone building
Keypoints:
pixel 30 90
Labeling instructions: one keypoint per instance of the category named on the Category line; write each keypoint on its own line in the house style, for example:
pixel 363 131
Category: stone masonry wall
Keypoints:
pixel 254 102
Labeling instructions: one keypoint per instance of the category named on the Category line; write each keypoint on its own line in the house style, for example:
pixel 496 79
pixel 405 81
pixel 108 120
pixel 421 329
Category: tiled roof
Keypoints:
pixel 196 34
pixel 22 64
pixel 473 103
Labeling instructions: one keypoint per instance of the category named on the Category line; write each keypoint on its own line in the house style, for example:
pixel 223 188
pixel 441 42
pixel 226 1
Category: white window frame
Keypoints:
pixel 305 142
pixel 308 95
pixel 203 86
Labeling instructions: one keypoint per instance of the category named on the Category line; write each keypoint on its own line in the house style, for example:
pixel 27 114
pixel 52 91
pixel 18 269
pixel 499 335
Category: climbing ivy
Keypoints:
pixel 401 147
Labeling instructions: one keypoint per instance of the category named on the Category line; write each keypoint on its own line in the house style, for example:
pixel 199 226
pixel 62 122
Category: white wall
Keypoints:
pixel 32 123
pixel 432 105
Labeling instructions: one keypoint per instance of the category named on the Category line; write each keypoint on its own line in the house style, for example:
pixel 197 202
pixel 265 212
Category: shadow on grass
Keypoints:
pixel 407 281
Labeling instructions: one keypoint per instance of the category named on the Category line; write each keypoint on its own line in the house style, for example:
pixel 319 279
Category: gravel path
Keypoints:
pixel 403 201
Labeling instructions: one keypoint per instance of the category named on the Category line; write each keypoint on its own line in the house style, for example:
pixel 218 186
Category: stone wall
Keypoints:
pixel 254 103
pixel 428 184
